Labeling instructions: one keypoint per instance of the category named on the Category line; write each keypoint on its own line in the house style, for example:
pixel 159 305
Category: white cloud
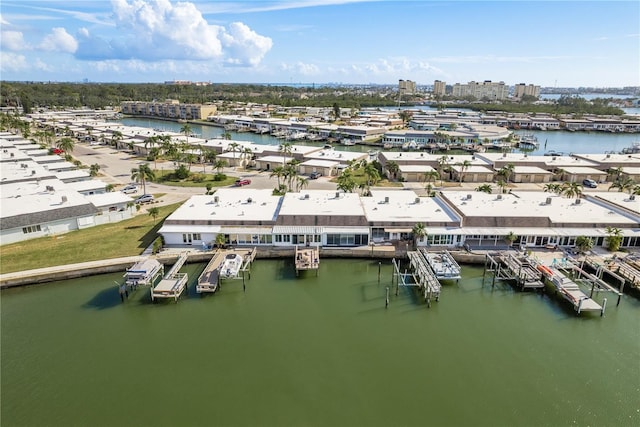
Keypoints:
pixel 59 41
pixel 301 68
pixel 160 30
pixel 12 62
pixel 243 46
pixel 13 40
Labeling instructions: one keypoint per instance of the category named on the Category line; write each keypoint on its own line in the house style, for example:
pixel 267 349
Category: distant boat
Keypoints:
pixel 529 141
pixel 554 153
pixel 347 141
pixel 632 149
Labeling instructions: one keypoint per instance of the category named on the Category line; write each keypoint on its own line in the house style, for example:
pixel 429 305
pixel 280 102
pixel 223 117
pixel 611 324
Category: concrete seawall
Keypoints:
pixel 114 265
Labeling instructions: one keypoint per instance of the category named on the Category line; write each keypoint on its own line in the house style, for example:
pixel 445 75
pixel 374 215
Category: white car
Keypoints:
pixel 131 188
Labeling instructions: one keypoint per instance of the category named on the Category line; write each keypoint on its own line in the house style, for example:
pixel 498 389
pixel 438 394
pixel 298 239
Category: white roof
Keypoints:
pixel 233 205
pixel 533 170
pixel 402 207
pixel 322 203
pixel 533 204
pixel 336 155
pixel 320 163
pixel 582 170
pixel 108 199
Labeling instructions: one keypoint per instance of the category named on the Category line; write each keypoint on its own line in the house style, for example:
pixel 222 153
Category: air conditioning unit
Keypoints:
pixel 386 199
pixel 577 201
pixel 468 196
pixel 306 196
pixel 337 195
pixel 417 200
pixel 548 201
pixel 499 197
pixel 216 199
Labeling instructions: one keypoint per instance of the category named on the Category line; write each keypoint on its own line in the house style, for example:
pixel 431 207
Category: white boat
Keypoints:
pixel 528 140
pixel 348 141
pixel 231 266
pixel 633 149
pixel 296 135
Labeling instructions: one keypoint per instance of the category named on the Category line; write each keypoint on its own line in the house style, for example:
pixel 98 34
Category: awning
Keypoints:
pixel 398 230
pixel 296 229
pixel 180 228
pixel 346 230
pixel 245 230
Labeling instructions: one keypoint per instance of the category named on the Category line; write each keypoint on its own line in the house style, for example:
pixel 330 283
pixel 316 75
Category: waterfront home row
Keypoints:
pixel 451 219
pixel 44 195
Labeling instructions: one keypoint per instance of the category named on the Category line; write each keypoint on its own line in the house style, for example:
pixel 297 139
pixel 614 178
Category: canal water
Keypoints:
pixel 315 351
pixel 561 141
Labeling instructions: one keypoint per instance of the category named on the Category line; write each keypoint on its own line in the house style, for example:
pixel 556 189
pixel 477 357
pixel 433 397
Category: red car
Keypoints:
pixel 243 181
pixel 57 151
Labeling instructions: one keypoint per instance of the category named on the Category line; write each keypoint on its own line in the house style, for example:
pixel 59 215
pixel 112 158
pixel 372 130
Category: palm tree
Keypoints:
pixel 66 145
pixel 418 231
pixel 442 163
pixel 507 171
pixel 278 172
pixel 584 244
pixel 219 165
pixel 154 153
pixel 142 173
pixel 393 168
pixel 635 190
pixel 220 240
pixel 485 188
pixel 116 137
pixel 154 212
pixel 186 130
pixel 463 167
pixel 615 173
pixel 614 238
pixel 430 176
pixel 346 182
pixel 559 173
pixel 285 148
pixel 301 182
pixel 553 187
pixel 233 147
pixel 510 238
pixel 571 189
pixel 226 135
pixel 109 188
pixel 502 185
pixel 624 184
pixel 372 176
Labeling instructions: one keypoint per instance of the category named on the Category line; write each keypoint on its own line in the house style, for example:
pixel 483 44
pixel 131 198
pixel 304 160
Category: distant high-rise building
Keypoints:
pixel 487 89
pixel 439 88
pixel 522 89
pixel 406 87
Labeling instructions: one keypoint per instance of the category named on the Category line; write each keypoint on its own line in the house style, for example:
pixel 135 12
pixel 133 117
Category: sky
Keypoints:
pixel 546 43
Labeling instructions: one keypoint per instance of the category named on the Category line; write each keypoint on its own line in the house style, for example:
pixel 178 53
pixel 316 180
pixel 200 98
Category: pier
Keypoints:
pixel 143 273
pixel 420 276
pixel 174 283
pixel 211 278
pixel 628 268
pixel 442 264
pixel 570 291
pixel 307 258
pixel 509 267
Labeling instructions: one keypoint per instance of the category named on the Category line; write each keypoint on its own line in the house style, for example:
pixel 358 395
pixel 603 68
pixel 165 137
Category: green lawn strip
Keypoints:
pixel 125 238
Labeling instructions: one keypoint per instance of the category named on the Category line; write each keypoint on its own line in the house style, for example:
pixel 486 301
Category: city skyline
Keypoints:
pixel 562 44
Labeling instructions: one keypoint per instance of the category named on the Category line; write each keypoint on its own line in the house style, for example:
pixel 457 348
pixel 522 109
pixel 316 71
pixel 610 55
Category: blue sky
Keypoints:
pixel 551 43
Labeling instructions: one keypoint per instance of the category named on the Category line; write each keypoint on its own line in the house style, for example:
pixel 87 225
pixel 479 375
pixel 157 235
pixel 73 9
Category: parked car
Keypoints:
pixel 589 183
pixel 315 175
pixel 145 198
pixel 243 181
pixel 131 188
pixel 56 151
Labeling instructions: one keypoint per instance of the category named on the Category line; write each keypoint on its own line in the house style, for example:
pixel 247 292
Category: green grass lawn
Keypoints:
pixel 126 238
pixel 166 177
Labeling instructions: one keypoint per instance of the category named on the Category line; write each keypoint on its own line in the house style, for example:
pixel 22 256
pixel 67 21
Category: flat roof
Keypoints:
pixel 234 204
pixel 337 155
pixel 533 204
pixel 581 170
pixel 604 159
pixel 320 163
pixel 322 202
pixel 619 199
pixel 404 206
pixel 533 170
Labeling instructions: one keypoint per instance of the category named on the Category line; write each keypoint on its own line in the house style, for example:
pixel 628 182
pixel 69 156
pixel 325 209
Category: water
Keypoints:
pixel 567 142
pixel 317 351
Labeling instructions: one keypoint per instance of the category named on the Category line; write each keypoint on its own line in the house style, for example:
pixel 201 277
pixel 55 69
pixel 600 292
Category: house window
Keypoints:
pixel 31 229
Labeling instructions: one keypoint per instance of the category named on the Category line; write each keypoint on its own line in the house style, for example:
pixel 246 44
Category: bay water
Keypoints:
pixel 315 351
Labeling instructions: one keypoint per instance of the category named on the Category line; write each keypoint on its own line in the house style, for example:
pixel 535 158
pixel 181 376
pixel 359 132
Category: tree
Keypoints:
pixel 571 189
pixel 430 176
pixel 116 137
pixel 346 181
pixel 221 240
pixel 233 147
pixel 584 244
pixel 553 187
pixel 336 111
pixel 93 169
pixel 443 162
pixel 502 185
pixel 285 149
pixel 154 212
pixel 66 145
pixel 392 168
pixel 418 232
pixel 278 172
pixel 109 188
pixel 186 130
pixel 510 238
pixel 372 176
pixel 615 173
pixel 507 171
pixel 614 238
pixel 142 173
pixel 463 167
pixel 485 188
pixel 226 136
pixel 219 165
pixel 623 185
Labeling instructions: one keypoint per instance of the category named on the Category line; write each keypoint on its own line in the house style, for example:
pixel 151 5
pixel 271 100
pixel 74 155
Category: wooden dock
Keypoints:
pixel 420 276
pixel 515 268
pixel 570 291
pixel 210 279
pixel 174 283
pixel 628 268
pixel 307 258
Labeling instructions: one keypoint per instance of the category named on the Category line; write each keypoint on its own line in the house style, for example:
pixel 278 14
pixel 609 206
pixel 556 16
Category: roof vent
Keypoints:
pixel 417 201
pixel 64 199
pixel 504 154
pixel 249 200
pixel 608 156
pixel 577 201
pixel 386 199
pixel 306 196
pixel 548 201
pixel 337 195
pixel 468 196
pixel 216 199
pixel 499 197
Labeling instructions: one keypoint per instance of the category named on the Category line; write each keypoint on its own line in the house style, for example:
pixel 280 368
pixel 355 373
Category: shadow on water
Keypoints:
pixel 106 298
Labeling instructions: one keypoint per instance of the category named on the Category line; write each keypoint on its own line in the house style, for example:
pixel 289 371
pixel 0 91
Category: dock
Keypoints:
pixel 628 268
pixel 173 283
pixel 210 279
pixel 143 273
pixel 307 258
pixel 420 276
pixel 518 268
pixel 570 291
pixel 443 265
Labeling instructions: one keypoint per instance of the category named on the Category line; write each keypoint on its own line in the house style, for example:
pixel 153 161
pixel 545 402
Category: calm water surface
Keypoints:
pixel 317 351
pixel 566 142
